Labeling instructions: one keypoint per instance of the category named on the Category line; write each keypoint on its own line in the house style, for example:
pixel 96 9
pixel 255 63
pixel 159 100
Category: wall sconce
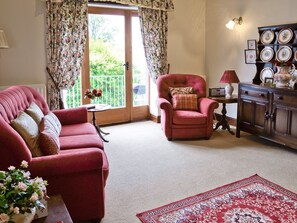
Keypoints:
pixel 3 40
pixel 236 21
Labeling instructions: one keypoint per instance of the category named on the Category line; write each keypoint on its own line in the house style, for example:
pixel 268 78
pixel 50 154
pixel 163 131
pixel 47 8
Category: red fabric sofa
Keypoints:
pixel 185 124
pixel 78 172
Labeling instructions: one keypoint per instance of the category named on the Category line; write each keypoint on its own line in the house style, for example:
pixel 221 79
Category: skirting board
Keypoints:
pixel 154 118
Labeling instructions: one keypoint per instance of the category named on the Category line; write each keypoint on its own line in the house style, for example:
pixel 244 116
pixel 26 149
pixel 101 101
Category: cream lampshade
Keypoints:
pixel 229 76
pixel 3 40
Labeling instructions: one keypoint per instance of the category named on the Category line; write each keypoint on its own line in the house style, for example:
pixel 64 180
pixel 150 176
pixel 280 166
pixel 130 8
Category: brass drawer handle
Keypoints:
pixel 261 95
pixel 246 92
pixel 280 97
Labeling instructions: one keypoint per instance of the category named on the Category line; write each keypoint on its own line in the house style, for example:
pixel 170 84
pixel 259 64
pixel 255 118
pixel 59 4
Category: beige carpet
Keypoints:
pixel 147 171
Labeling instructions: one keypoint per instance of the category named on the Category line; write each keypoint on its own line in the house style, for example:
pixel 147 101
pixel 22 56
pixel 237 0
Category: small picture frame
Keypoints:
pixel 268 80
pixel 250 56
pixel 252 44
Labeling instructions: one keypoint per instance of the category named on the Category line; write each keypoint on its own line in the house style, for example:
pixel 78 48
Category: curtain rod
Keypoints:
pixel 113 6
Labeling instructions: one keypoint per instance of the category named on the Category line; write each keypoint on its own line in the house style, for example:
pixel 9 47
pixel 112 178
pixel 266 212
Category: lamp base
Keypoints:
pixel 229 90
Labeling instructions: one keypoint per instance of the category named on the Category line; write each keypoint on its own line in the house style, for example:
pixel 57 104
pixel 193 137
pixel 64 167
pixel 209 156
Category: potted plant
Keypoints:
pixel 20 195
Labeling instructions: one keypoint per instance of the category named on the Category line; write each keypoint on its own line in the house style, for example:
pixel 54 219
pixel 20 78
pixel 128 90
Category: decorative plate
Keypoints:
pixel 284 54
pixel 267 37
pixel 266 54
pixel 266 72
pixel 284 36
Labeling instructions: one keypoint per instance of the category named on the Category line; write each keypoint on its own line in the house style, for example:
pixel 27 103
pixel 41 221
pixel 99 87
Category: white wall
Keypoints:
pixel 24 62
pixel 225 48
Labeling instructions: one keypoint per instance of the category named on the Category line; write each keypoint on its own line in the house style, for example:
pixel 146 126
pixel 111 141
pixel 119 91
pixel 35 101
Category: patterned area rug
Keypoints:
pixel 251 200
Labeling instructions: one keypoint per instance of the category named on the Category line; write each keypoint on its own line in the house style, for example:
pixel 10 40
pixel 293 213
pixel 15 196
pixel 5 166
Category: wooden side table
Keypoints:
pixel 99 108
pixel 224 122
pixel 57 211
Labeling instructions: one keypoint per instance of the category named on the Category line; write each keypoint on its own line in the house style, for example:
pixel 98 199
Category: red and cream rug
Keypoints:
pixel 251 200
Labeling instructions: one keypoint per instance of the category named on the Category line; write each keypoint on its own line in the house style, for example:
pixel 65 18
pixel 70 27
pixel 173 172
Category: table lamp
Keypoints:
pixel 229 76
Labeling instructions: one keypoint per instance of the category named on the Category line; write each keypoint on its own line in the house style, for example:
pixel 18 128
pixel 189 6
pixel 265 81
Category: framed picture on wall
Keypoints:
pixel 250 56
pixel 252 44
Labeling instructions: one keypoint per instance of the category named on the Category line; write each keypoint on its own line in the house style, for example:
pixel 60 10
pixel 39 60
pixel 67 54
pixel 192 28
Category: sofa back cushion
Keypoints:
pixel 28 129
pixel 35 112
pixel 49 135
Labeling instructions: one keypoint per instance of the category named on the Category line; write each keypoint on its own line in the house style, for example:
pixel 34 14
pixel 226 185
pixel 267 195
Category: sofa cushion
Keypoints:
pixel 49 142
pixel 181 117
pixel 28 129
pixel 78 129
pixel 80 141
pixel 185 102
pixel 48 138
pixel 180 90
pixel 50 121
pixel 35 112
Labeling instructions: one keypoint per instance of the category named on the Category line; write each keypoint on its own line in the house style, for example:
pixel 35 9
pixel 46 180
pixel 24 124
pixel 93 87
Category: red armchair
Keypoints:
pixel 78 172
pixel 185 124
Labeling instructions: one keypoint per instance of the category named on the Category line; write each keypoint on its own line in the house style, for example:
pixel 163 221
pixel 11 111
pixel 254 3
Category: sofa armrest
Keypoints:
pixel 207 106
pixel 72 115
pixel 67 162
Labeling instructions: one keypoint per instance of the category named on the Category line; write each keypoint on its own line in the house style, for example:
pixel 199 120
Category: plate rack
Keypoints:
pixel 276 43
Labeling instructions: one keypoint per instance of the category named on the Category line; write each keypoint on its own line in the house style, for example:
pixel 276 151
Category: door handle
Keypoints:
pixel 127 65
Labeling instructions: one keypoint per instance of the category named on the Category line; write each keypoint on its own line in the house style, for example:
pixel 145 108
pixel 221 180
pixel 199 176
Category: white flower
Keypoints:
pixel 22 186
pixel 8 179
pixel 16 210
pixel 34 197
pixel 11 168
pixel 4 218
pixel 27 174
pixel 24 164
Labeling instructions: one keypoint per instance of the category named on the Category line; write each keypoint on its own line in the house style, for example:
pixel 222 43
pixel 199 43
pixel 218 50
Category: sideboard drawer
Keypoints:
pixel 289 100
pixel 257 94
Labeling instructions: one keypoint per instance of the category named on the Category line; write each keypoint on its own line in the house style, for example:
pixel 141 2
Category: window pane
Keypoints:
pixel 140 72
pixel 107 56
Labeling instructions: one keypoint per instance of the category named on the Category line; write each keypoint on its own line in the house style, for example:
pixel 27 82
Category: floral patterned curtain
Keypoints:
pixel 66 37
pixel 154 28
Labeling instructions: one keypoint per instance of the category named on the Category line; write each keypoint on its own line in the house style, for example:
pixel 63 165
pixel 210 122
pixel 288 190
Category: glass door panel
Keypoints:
pixel 106 58
pixel 139 72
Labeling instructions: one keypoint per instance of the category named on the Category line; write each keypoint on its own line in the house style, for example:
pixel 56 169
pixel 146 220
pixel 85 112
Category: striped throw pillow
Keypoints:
pixel 185 102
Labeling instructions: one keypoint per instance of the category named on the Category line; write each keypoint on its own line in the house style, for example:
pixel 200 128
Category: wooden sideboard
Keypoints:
pixel 268 112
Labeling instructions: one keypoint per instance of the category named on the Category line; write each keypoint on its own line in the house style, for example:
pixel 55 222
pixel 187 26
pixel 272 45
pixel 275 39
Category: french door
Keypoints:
pixel 115 62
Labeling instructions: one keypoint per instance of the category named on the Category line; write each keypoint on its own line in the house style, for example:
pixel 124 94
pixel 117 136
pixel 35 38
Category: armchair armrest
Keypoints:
pixel 67 162
pixel 72 115
pixel 165 105
pixel 207 106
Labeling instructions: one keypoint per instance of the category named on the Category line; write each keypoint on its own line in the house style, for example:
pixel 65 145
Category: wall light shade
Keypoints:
pixel 231 24
pixel 229 76
pixel 3 40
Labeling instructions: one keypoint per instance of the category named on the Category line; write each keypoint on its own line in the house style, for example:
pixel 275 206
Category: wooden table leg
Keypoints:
pixel 224 122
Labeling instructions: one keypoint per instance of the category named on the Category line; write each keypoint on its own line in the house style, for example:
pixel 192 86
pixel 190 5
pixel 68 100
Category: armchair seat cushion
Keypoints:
pixel 183 117
pixel 78 129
